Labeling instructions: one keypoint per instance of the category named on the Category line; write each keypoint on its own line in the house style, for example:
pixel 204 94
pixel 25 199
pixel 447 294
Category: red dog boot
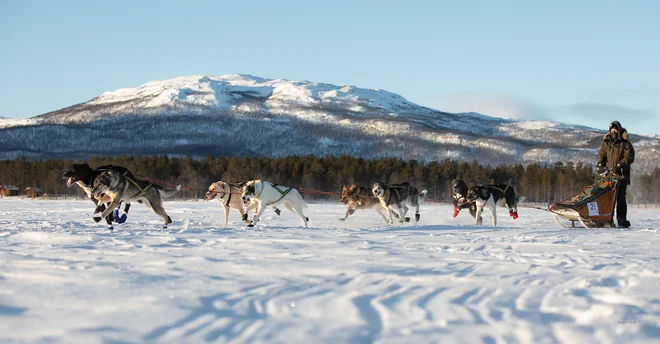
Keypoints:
pixel 455 211
pixel 513 214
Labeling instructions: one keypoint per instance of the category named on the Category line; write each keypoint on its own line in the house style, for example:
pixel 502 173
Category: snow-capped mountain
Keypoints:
pixel 241 115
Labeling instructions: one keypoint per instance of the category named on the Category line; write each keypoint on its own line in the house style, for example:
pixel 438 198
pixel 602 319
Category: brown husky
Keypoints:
pixel 360 197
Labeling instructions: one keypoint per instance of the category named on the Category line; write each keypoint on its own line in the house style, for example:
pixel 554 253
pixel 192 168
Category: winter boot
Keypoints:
pixel 624 224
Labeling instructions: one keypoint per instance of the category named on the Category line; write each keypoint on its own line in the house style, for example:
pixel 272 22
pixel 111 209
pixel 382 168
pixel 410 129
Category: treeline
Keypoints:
pixel 538 183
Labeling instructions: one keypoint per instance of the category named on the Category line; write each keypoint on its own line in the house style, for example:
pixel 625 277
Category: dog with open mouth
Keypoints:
pixel 83 176
pixel 123 189
pixel 229 195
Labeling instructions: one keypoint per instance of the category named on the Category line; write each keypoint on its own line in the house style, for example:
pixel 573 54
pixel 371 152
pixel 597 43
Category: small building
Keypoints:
pixel 8 190
pixel 32 192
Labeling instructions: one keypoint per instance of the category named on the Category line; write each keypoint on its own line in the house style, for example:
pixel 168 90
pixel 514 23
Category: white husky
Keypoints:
pixel 268 194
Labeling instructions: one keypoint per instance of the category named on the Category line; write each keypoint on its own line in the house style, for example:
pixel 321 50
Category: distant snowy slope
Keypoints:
pixel 203 115
pixel 12 122
pixel 206 94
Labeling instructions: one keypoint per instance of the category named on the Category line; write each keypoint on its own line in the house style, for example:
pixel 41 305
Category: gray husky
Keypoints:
pixel 123 189
pixel 398 197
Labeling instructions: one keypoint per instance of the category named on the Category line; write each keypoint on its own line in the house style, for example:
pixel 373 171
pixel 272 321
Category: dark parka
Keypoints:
pixel 617 151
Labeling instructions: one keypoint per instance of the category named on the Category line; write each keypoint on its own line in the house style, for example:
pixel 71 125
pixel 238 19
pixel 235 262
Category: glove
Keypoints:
pixel 601 168
pixel 618 169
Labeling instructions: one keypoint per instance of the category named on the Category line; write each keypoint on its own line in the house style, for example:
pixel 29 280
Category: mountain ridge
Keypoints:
pixel 240 114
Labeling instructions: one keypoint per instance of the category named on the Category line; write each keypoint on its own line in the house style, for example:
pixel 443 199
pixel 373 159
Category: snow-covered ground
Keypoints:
pixel 65 279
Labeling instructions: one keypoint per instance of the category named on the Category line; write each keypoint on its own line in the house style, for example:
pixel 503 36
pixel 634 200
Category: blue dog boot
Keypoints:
pixel 121 219
pixel 115 215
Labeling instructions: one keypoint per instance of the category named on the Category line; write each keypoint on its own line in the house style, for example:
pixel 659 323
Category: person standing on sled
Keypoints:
pixel 617 154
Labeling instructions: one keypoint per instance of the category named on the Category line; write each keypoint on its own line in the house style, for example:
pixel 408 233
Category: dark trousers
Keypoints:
pixel 621 205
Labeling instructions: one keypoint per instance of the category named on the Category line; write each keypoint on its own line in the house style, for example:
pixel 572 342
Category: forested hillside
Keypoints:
pixel 538 183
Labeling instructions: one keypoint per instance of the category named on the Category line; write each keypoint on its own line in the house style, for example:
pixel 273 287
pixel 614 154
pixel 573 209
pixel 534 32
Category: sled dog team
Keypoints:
pixel 109 186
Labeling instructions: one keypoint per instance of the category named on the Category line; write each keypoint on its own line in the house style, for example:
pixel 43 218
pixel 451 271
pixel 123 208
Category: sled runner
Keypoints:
pixel 593 207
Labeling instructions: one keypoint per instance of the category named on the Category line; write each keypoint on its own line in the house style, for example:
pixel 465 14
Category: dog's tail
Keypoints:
pixel 169 193
pixel 422 196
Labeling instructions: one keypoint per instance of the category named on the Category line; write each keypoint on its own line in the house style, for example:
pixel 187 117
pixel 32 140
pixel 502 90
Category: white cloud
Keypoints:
pixel 596 114
pixel 495 104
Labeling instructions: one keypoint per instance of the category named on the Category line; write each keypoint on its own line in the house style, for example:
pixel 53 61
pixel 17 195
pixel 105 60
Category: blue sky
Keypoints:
pixel 584 62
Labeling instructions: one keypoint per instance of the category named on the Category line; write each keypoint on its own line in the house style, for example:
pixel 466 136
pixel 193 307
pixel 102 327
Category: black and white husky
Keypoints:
pixel 493 196
pixel 397 197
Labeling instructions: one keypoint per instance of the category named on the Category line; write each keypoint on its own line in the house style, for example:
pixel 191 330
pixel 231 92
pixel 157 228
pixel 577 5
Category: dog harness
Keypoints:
pixel 228 199
pixel 282 193
pixel 142 190
pixel 496 188
pixel 493 187
pixel 395 189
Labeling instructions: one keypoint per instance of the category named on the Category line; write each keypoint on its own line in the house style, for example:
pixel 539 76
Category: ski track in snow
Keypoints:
pixel 67 279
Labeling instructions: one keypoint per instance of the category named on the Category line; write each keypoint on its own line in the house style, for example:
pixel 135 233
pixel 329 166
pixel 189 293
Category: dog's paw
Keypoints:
pixel 407 219
pixel 97 219
pixel 250 225
pixel 417 217
pixel 306 218
pixel 277 211
pixel 455 212
pixel 245 217
pixel 110 228
pixel 342 219
pixel 395 215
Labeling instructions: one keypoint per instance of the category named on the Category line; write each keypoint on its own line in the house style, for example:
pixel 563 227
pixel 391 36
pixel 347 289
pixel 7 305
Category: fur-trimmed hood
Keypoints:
pixel 623 133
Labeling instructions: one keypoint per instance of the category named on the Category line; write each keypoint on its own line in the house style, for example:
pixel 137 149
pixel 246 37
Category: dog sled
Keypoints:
pixel 593 207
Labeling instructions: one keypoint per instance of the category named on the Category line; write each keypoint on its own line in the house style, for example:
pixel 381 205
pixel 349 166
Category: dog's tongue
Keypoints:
pixel 69 181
